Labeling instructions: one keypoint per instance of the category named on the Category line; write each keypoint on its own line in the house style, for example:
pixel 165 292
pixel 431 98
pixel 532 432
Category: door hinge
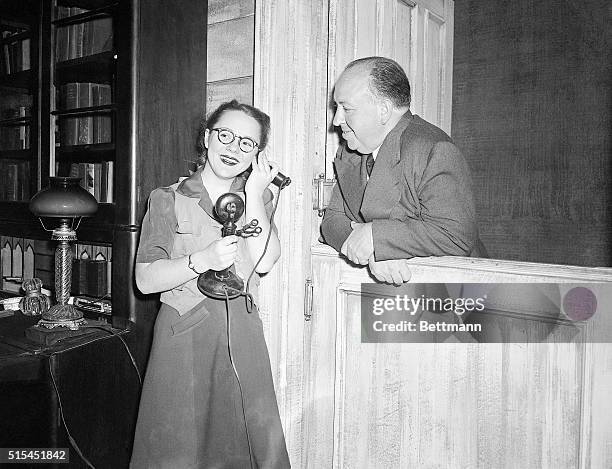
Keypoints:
pixel 308 295
pixel 321 189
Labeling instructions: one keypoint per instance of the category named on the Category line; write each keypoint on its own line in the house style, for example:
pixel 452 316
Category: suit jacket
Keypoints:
pixel 418 198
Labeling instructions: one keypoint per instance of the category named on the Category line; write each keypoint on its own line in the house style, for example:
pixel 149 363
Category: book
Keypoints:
pixel 23 180
pixel 62 43
pixel 85 123
pixel 101 35
pixel 62 36
pixel 102 123
pixel 69 126
pixel 25 54
pixel 97 176
pixel 12 181
pixel 110 180
pixel 89 178
pixel 96 278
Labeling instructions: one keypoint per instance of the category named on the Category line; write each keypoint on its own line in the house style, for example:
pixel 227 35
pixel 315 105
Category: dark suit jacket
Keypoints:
pixel 418 198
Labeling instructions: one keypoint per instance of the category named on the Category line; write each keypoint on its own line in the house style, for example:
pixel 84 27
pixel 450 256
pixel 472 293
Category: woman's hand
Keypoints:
pixel 217 255
pixel 263 172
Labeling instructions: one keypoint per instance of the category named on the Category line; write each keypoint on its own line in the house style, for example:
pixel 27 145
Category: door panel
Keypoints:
pixel 453 404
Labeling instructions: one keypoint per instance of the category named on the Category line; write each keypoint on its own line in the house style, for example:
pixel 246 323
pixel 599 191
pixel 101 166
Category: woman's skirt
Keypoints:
pixel 194 411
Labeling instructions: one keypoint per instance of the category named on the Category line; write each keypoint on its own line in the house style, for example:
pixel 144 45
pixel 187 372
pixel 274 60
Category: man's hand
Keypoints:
pixel 392 271
pixel 359 246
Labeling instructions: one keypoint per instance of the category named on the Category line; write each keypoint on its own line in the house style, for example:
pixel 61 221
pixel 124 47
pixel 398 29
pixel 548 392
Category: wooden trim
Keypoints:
pixel 473 266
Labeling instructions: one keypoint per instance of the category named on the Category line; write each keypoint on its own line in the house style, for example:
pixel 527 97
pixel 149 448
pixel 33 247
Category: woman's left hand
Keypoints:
pixel 264 171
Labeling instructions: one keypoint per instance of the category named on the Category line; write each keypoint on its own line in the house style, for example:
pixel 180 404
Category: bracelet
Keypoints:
pixel 191 266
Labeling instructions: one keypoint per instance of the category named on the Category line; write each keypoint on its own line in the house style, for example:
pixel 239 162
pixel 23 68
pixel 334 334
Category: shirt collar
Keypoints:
pixel 375 152
pixel 193 187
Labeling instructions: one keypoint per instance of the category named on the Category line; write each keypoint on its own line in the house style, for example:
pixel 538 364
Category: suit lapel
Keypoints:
pixel 351 179
pixel 381 193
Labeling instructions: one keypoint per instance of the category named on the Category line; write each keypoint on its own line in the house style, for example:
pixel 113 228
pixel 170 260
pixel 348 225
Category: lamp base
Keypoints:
pixel 62 316
pixel 220 287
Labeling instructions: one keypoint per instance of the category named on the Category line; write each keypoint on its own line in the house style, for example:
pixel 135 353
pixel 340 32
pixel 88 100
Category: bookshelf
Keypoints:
pixel 115 92
pixel 18 103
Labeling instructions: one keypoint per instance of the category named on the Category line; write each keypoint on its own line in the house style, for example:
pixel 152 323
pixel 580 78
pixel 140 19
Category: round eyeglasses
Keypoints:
pixel 226 136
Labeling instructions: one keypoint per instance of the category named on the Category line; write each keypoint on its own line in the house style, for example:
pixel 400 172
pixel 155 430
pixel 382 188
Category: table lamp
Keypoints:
pixel 66 202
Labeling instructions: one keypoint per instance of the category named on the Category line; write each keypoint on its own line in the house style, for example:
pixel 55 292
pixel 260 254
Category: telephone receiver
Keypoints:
pixel 281 181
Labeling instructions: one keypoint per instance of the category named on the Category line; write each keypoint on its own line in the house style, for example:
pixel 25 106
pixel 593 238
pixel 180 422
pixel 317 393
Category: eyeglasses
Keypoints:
pixel 226 136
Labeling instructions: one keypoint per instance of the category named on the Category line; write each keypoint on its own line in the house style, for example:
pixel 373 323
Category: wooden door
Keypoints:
pixel 343 424
pixel 455 404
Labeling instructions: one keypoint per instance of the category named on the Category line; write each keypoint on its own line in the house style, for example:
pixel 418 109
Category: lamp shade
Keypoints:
pixel 64 198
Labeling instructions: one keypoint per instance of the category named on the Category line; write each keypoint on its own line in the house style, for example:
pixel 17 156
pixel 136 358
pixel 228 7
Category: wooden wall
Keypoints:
pixel 231 39
pixel 532 112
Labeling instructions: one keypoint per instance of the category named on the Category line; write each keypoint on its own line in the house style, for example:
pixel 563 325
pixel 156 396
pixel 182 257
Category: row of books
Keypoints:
pixel 96 178
pixel 92 270
pixel 89 129
pixel 15 137
pixel 82 39
pixel 15 55
pixel 23 258
pixel 14 180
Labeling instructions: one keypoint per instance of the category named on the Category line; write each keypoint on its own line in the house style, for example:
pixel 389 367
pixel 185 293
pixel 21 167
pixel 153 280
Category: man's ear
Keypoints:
pixel 385 110
pixel 206 136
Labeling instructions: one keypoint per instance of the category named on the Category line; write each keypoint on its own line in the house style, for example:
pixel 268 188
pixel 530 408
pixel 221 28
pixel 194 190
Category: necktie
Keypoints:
pixel 369 164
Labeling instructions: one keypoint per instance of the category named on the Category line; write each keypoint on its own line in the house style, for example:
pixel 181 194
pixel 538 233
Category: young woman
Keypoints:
pixel 204 404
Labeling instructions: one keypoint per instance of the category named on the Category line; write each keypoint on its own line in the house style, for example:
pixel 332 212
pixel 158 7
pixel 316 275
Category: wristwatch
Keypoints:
pixel 191 266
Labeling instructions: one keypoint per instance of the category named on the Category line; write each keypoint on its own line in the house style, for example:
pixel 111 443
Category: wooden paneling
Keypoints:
pixel 230 49
pixel 434 66
pixel 456 404
pixel 430 71
pixel 171 95
pixel 224 10
pixel 231 41
pixel 218 92
pixel 532 114
pixel 290 84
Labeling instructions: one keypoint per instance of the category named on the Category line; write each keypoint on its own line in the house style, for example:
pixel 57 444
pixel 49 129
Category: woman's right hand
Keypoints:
pixel 217 255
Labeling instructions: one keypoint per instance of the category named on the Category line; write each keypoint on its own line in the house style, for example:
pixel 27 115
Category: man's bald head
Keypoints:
pixel 387 79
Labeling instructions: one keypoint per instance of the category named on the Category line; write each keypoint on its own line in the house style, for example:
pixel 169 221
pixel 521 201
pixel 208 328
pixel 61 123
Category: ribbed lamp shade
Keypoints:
pixel 64 198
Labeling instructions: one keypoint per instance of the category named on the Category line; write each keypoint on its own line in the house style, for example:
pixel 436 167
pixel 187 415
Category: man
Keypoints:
pixel 416 199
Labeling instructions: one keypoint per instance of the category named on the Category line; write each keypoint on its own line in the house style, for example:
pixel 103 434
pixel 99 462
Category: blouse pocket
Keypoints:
pixel 191 319
pixel 186 238
pixel 184 227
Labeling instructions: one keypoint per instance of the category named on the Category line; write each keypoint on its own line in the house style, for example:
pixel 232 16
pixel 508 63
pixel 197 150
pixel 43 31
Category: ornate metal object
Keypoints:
pixel 225 283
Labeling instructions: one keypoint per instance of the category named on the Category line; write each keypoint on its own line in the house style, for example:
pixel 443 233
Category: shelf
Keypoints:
pixel 96 68
pixel 84 111
pixel 16 121
pixel 16 37
pixel 86 4
pixel 22 80
pixel 95 13
pixel 94 153
pixel 16 154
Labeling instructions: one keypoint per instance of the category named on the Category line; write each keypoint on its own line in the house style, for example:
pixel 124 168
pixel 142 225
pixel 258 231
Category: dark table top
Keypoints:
pixel 19 354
